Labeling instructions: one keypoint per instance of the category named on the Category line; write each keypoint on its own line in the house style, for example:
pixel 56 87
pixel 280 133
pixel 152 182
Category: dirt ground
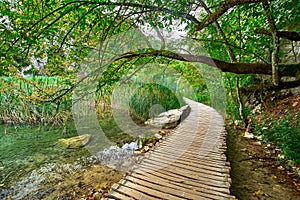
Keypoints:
pixel 256 174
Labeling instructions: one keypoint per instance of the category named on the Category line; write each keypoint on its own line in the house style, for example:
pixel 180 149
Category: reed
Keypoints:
pixel 22 100
pixel 151 99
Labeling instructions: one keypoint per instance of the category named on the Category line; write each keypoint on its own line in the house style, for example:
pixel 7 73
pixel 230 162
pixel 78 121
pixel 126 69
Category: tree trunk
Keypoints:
pixel 238 94
pixel 275 60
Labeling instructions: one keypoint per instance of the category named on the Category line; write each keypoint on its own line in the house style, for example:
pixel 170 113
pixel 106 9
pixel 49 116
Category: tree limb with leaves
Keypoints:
pixel 65 31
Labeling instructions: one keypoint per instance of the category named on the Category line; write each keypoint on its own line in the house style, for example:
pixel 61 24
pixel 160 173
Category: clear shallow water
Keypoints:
pixel 31 157
pixel 114 157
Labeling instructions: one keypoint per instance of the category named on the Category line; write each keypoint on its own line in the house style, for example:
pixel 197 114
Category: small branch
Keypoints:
pixel 257 158
pixel 223 7
pixel 234 46
pixel 163 42
pixel 73 26
pixel 49 25
pixel 221 33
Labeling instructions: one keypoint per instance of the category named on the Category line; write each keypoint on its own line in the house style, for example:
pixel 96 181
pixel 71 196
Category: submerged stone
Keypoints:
pixel 76 142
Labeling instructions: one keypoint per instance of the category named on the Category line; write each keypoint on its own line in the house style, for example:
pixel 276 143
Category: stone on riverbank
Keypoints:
pixel 169 119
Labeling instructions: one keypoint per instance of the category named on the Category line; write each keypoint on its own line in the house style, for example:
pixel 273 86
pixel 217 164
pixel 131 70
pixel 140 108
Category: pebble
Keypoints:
pixel 248 135
pixel 146 148
pixel 258 192
pixel 244 149
pixel 158 136
pixel 256 143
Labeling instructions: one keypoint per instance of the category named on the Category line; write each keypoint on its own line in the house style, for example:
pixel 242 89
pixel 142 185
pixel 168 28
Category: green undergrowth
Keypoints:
pixel 284 133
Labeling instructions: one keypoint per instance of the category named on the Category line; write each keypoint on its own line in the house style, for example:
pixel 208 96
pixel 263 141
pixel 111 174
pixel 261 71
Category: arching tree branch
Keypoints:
pixel 290 35
pixel 237 68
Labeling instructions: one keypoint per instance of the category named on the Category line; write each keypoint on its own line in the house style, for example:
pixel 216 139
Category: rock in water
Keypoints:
pixel 76 142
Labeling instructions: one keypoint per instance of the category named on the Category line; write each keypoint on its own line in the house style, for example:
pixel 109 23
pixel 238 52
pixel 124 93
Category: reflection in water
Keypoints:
pixel 115 157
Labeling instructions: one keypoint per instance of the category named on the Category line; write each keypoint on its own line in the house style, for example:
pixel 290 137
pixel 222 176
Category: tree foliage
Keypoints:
pixel 63 32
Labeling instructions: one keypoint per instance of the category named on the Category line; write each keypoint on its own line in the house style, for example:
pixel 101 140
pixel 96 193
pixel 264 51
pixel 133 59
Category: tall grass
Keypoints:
pixel 150 95
pixel 22 100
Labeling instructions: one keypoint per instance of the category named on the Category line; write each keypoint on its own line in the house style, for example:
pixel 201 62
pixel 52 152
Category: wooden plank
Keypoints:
pixel 191 160
pixel 182 169
pixel 194 181
pixel 169 188
pixel 191 147
pixel 132 193
pixel 116 195
pixel 162 163
pixel 149 192
pixel 185 165
pixel 195 153
pixel 199 189
pixel 184 172
pixel 197 142
pixel 195 159
pixel 218 141
pixel 213 168
pixel 222 158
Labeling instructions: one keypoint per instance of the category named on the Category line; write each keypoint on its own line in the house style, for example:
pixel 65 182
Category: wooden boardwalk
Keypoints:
pixel 188 164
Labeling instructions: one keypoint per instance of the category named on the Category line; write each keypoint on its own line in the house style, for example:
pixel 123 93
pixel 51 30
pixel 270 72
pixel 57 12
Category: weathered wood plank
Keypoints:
pixel 183 167
pixel 180 184
pixel 146 192
pixel 169 188
pixel 192 159
pixel 191 163
pixel 187 178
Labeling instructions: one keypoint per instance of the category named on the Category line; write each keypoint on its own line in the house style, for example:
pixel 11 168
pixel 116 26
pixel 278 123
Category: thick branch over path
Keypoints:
pixel 222 8
pixel 290 35
pixel 238 68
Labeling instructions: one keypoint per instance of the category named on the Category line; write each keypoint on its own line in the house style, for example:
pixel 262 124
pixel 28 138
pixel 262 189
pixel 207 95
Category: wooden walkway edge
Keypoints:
pixel 189 164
